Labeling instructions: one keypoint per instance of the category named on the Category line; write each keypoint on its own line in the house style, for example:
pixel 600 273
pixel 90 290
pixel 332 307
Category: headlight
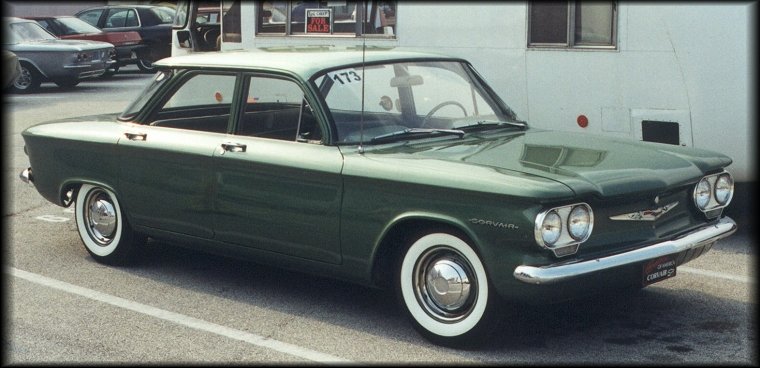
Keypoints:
pixel 551 228
pixel 713 193
pixel 702 194
pixel 562 229
pixel 724 188
pixel 579 223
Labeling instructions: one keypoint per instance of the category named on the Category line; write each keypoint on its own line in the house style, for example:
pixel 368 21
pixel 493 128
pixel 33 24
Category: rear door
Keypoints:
pixel 166 170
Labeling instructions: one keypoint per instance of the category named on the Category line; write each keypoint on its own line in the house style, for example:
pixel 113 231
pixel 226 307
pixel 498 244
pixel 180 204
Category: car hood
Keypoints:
pixel 62 45
pixel 587 164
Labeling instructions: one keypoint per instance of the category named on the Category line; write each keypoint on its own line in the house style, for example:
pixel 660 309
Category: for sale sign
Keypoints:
pixel 319 21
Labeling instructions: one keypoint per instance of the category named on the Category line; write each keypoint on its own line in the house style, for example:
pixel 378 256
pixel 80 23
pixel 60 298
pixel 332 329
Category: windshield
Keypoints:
pixel 145 96
pixel 407 96
pixel 30 31
pixel 73 26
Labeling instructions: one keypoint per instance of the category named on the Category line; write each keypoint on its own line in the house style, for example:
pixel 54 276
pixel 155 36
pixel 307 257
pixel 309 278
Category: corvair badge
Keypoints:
pixel 645 215
pixel 493 223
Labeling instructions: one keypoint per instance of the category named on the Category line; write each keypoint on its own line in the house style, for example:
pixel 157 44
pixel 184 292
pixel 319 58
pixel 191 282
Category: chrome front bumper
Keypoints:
pixel 564 271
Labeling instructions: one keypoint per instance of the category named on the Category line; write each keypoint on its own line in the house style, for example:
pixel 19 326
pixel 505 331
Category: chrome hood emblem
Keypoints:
pixel 645 215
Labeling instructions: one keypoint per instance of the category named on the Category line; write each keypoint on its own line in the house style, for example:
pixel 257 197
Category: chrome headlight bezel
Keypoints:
pixel 565 243
pixel 724 184
pixel 713 193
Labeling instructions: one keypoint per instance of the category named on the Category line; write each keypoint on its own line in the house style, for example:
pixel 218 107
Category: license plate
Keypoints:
pixel 659 269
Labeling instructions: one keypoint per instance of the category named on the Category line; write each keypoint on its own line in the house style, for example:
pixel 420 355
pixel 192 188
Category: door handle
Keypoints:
pixel 233 147
pixel 136 136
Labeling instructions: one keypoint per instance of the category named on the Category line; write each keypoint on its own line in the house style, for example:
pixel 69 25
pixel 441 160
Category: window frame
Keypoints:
pixel 361 16
pixel 570 42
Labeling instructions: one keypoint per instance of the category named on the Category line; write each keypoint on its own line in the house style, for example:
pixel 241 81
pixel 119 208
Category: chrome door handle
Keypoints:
pixel 136 136
pixel 233 147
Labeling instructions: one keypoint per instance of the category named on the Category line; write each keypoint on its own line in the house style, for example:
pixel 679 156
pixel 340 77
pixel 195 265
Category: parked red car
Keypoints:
pixel 129 46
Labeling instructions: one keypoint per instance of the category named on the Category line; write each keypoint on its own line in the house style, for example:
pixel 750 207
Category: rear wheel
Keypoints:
pixel 145 65
pixel 104 229
pixel 445 291
pixel 28 80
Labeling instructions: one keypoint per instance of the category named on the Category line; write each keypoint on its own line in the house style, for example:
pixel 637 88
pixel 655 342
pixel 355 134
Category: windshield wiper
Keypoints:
pixel 415 131
pixel 492 123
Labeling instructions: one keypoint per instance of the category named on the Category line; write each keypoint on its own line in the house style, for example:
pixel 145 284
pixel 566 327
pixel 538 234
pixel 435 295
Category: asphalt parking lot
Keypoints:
pixel 181 306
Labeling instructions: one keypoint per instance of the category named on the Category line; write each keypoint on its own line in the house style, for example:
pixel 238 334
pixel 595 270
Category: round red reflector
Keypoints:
pixel 582 121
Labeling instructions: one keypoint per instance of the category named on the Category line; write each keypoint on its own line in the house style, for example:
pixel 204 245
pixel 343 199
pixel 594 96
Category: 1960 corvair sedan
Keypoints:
pixel 386 168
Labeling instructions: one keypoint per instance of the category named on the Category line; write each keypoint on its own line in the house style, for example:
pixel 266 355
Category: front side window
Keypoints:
pixel 406 95
pixel 572 24
pixel 325 18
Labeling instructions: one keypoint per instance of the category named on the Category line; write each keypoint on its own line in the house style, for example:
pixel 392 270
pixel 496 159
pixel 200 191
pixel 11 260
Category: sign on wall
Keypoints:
pixel 318 21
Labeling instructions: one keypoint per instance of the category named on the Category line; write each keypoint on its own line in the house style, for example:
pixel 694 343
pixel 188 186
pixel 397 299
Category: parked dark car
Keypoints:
pixel 44 57
pixel 128 44
pixel 153 23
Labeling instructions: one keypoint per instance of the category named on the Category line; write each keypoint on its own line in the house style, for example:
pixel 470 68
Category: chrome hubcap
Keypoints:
pixel 101 217
pixel 24 79
pixel 445 284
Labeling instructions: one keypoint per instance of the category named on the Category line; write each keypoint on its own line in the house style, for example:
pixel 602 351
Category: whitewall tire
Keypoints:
pixel 103 228
pixel 444 289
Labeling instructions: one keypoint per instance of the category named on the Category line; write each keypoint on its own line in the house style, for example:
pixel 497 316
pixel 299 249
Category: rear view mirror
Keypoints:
pixel 406 81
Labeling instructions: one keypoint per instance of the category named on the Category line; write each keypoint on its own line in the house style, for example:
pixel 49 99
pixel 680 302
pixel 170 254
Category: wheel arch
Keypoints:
pixel 70 188
pixel 396 236
pixel 32 64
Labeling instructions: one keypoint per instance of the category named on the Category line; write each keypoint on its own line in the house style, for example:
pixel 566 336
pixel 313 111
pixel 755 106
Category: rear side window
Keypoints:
pixel 91 16
pixel 202 102
pixel 121 18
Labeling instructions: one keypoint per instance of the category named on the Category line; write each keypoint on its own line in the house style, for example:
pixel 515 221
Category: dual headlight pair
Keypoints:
pixel 83 56
pixel 562 229
pixel 714 192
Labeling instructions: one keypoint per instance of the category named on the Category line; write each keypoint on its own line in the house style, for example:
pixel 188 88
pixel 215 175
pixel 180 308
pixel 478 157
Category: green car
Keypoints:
pixel 387 168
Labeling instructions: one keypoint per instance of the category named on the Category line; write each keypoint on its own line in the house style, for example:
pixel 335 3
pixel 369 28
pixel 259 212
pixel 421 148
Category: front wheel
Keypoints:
pixel 104 229
pixel 445 291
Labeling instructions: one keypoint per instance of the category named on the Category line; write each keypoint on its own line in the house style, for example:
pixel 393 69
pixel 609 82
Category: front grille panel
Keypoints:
pixel 610 236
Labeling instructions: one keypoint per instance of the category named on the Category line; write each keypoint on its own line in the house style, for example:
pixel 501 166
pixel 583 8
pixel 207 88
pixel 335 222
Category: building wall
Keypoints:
pixel 687 63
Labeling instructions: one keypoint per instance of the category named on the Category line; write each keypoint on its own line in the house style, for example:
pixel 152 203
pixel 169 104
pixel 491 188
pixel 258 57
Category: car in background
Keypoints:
pixel 128 45
pixel 152 22
pixel 44 57
pixel 11 68
pixel 388 168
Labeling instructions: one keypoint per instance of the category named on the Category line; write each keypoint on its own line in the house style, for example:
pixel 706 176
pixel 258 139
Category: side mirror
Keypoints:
pixel 183 37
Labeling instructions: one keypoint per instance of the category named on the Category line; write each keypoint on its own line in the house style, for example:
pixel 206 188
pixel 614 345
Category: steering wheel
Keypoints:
pixel 438 107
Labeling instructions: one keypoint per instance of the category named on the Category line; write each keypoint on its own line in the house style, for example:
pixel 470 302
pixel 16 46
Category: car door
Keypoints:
pixel 166 169
pixel 278 187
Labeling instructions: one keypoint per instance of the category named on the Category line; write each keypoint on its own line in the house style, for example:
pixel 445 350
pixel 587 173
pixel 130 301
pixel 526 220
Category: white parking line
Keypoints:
pixel 719 275
pixel 177 318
